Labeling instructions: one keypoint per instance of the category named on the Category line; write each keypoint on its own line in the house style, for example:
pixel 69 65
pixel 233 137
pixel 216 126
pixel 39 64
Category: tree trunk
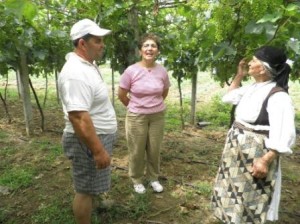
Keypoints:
pixel 5 108
pixel 46 90
pixel 113 86
pixel 39 106
pixel 18 82
pixel 134 24
pixel 194 99
pixel 56 85
pixel 25 92
pixel 5 89
pixel 180 100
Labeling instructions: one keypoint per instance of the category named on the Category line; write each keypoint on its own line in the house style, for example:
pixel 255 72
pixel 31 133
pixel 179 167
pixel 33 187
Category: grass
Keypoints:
pixel 290 176
pixel 17 177
pixel 53 212
pixel 3 134
pixel 7 150
pixel 53 150
pixel 204 188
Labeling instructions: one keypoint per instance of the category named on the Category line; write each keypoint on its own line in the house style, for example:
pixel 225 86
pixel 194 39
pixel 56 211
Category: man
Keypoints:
pixel 91 125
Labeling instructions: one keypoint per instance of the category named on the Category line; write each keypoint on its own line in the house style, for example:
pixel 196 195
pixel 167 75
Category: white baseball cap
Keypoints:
pixel 87 26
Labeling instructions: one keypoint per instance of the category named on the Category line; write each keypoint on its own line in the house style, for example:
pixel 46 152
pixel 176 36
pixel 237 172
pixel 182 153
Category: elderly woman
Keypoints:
pixel 248 184
pixel 143 88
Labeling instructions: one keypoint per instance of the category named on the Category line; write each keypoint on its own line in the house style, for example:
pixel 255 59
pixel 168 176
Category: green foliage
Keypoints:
pixel 239 27
pixel 197 35
pixel 297 117
pixel 21 8
pixel 216 112
pixel 173 121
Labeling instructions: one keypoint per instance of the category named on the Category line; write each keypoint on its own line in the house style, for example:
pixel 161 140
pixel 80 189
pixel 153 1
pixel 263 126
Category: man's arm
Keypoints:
pixel 85 130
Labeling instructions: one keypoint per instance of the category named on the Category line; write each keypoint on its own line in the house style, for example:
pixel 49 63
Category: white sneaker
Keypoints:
pixel 139 188
pixel 157 186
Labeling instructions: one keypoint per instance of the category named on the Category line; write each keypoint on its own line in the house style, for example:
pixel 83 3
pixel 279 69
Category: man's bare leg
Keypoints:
pixel 82 208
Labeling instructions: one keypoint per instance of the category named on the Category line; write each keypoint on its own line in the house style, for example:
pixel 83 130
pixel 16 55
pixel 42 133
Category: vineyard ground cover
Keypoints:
pixel 36 185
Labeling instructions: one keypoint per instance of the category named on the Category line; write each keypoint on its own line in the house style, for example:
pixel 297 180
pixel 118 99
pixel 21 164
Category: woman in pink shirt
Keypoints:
pixel 143 88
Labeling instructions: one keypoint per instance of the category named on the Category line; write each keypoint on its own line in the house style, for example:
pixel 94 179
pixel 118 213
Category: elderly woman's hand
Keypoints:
pixel 260 168
pixel 242 68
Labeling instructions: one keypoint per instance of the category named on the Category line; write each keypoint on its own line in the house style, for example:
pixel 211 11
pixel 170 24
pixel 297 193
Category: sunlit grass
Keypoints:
pixel 53 150
pixel 290 176
pixel 53 212
pixel 3 134
pixel 204 188
pixel 17 177
pixel 7 151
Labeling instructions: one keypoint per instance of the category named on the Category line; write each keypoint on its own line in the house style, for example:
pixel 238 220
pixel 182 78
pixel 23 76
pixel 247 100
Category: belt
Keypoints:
pixel 241 126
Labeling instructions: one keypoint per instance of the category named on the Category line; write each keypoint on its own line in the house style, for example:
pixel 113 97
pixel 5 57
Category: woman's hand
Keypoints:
pixel 241 73
pixel 260 168
pixel 242 68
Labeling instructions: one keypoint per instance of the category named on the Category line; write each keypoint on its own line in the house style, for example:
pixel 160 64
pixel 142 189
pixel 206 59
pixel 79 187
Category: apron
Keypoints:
pixel 237 196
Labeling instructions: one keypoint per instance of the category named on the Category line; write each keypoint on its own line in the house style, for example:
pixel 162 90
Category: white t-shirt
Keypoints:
pixel 81 88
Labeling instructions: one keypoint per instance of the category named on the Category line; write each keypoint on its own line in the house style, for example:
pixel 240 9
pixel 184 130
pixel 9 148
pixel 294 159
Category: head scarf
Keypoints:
pixel 274 59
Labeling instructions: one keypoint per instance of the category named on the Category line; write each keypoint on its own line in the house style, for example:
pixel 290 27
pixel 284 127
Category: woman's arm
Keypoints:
pixel 281 135
pixel 165 93
pixel 241 73
pixel 123 96
pixel 260 166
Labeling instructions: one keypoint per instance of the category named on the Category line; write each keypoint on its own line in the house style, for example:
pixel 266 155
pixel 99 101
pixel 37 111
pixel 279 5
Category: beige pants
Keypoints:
pixel 144 134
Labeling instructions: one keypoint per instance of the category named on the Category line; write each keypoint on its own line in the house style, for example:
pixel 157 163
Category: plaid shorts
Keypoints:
pixel 87 178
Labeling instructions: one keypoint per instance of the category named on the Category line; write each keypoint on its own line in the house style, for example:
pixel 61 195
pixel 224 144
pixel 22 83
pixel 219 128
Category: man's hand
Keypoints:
pixel 102 159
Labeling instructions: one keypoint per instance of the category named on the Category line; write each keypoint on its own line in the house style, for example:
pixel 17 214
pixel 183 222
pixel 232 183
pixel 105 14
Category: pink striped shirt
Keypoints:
pixel 145 87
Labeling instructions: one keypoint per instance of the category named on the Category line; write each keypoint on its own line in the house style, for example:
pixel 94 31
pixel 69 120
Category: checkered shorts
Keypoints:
pixel 87 178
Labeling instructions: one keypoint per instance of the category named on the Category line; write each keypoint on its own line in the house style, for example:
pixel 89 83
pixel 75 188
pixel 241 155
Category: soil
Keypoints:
pixel 188 167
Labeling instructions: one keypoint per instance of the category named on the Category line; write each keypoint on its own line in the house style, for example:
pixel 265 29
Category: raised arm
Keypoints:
pixel 241 73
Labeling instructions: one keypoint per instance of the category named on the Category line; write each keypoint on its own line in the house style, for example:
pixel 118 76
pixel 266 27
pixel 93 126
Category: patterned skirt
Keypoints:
pixel 237 196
